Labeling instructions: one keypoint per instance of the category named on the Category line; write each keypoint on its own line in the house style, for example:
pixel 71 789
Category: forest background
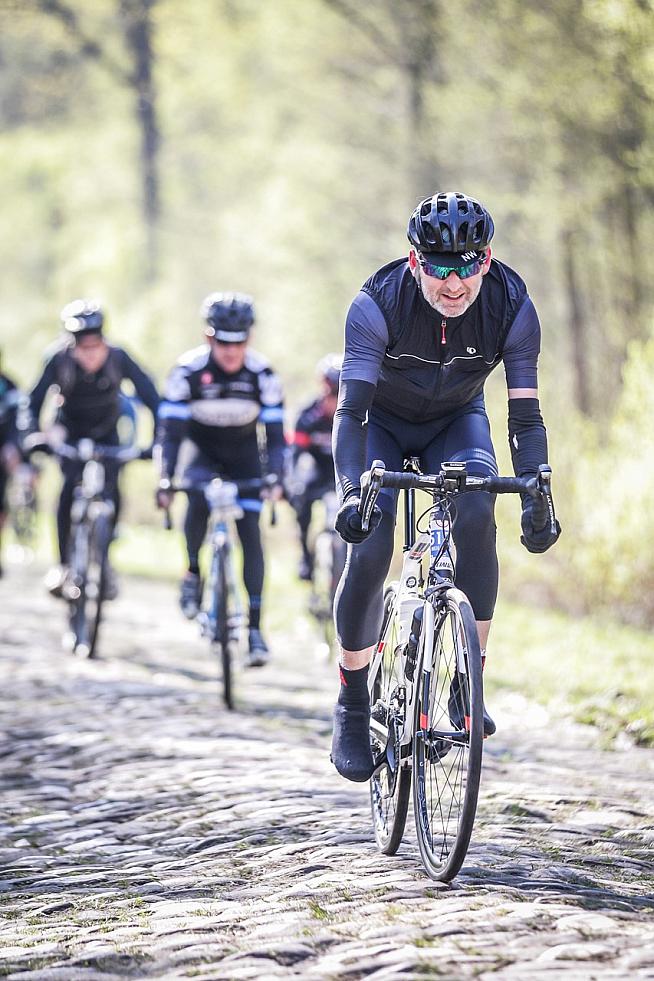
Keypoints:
pixel 153 151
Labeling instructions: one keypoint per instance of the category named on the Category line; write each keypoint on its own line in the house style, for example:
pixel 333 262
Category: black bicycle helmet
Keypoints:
pixel 82 317
pixel 450 222
pixel 229 316
pixel 329 369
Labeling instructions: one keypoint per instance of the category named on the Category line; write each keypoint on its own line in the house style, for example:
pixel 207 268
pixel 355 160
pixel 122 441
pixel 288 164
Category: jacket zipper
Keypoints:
pixel 442 362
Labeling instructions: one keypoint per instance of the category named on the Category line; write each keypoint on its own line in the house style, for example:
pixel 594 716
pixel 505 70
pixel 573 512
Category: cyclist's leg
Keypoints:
pixel 358 611
pixel 112 488
pixel 249 534
pixel 303 506
pixel 466 439
pixel 195 527
pixel 71 471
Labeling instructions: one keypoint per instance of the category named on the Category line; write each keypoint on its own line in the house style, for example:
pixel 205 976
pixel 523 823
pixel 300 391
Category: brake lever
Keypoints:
pixel 371 482
pixel 544 483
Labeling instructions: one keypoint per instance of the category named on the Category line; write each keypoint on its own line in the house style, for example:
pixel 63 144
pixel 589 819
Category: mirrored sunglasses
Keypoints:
pixel 442 272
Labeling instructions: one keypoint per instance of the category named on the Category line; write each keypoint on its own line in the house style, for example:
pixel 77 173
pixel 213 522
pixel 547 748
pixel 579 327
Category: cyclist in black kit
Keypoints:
pixel 311 441
pixel 9 453
pixel 420 340
pixel 214 399
pixel 88 373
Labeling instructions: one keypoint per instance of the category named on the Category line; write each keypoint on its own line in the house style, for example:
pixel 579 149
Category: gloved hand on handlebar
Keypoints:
pixel 537 534
pixel 164 495
pixel 348 521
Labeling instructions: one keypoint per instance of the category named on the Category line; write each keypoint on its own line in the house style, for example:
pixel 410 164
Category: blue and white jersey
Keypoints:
pixel 216 409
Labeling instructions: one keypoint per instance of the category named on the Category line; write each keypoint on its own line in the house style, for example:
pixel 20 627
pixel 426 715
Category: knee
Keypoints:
pixel 371 558
pixel 475 518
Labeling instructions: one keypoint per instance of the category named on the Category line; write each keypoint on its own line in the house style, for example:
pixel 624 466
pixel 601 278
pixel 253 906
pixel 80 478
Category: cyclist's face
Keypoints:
pixel 229 357
pixel 450 297
pixel 90 352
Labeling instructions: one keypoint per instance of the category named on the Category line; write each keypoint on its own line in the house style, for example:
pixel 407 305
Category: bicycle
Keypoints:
pixel 92 524
pixel 23 507
pixel 222 618
pixel 425 677
pixel 330 552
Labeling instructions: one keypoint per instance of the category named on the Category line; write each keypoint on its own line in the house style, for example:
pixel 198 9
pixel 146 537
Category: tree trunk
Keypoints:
pixel 578 325
pixel 136 15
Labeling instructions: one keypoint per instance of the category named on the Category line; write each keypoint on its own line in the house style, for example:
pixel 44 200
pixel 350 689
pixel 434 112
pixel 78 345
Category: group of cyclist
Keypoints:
pixel 421 337
pixel 217 402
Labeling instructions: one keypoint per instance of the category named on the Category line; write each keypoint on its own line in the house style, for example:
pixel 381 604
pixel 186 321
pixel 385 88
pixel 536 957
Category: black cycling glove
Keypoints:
pixel 348 521
pixel 537 534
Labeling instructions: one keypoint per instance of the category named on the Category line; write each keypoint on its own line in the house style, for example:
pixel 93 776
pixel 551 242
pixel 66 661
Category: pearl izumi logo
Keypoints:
pixel 471 350
pixel 468 256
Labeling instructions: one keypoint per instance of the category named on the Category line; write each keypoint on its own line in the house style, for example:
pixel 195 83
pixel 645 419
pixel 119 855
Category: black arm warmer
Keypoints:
pixel 170 433
pixel 275 446
pixel 349 435
pixel 527 437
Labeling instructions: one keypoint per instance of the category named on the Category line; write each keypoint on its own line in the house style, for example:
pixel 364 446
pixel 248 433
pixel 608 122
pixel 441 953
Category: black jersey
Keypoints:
pixel 9 397
pixel 313 435
pixel 219 411
pixel 424 365
pixel 90 402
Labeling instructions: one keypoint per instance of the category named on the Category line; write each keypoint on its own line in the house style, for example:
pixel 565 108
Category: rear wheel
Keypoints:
pixel 390 785
pixel 448 737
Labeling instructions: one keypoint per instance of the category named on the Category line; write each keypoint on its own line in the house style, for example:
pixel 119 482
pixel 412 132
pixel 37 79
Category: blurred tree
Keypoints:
pixel 135 19
pixel 408 36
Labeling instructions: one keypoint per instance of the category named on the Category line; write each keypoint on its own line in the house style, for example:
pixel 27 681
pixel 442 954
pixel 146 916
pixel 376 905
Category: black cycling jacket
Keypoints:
pixel 90 402
pixel 405 358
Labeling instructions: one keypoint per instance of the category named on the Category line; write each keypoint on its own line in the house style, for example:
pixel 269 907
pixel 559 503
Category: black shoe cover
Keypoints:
pixel 351 752
pixel 456 709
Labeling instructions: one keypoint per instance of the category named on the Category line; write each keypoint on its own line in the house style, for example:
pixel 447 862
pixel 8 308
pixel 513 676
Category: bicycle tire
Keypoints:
pixel 96 579
pixel 446 759
pixel 86 591
pixel 22 514
pixel 221 636
pixel 389 790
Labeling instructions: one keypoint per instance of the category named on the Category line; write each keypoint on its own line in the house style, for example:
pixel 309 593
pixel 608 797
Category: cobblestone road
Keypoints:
pixel 146 832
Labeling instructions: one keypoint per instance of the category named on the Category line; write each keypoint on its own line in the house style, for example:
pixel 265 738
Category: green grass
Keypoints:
pixel 602 669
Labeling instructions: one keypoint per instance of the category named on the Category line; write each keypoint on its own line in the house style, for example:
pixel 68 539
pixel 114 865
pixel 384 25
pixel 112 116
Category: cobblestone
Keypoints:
pixel 146 832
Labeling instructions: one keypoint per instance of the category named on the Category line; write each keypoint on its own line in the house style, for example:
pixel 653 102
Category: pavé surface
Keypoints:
pixel 147 832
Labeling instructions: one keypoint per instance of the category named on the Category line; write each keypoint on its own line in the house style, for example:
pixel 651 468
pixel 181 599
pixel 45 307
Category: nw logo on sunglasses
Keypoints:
pixel 468 256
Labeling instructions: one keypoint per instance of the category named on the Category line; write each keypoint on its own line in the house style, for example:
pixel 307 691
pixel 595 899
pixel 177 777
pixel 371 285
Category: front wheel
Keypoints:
pixel 86 587
pixel 220 631
pixel 448 738
pixel 390 785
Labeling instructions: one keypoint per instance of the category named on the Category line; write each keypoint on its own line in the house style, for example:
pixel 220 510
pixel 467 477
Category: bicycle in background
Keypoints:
pixel 330 552
pixel 222 617
pixel 23 508
pixel 425 678
pixel 87 585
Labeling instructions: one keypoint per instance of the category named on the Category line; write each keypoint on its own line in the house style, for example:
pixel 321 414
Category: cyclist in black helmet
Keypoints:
pixel 421 337
pixel 88 373
pixel 214 400
pixel 311 466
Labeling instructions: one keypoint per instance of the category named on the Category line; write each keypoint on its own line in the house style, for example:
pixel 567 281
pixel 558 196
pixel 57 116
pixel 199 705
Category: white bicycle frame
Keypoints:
pixel 222 498
pixel 410 595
